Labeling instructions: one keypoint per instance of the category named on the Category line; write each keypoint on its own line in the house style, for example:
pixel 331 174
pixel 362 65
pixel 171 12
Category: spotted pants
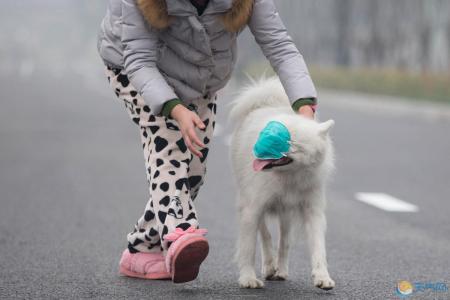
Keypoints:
pixel 173 173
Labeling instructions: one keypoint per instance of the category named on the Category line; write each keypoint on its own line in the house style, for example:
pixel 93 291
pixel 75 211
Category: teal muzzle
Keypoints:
pixel 273 141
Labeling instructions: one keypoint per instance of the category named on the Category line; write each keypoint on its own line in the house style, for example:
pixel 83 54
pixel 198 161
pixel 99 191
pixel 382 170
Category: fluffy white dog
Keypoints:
pixel 290 188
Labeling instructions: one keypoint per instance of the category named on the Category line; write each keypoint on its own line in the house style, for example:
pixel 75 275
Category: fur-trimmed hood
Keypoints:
pixel 233 13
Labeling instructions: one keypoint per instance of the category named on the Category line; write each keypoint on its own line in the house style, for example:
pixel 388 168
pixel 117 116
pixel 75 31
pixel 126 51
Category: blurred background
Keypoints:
pixel 72 178
pixel 390 47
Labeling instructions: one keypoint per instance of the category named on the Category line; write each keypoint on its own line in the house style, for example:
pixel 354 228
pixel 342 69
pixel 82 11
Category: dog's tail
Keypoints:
pixel 265 92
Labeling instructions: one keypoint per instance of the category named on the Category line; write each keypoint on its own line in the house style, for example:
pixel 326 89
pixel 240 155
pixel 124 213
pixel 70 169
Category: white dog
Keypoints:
pixel 291 188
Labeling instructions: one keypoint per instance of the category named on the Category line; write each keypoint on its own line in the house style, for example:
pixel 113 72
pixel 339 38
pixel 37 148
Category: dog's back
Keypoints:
pixel 266 92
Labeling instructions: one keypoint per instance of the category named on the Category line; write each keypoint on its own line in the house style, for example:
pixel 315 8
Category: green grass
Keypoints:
pixel 377 81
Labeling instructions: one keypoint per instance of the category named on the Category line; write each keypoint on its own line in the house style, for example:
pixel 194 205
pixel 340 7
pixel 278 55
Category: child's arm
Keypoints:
pixel 271 35
pixel 140 44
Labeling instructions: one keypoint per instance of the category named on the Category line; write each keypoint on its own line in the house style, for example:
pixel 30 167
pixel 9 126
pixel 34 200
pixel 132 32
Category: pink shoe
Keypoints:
pixel 186 253
pixel 143 265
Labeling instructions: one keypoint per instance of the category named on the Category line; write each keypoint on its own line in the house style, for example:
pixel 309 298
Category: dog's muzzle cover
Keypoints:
pixel 273 141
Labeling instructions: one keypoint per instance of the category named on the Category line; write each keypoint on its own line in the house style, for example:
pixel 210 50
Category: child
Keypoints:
pixel 165 60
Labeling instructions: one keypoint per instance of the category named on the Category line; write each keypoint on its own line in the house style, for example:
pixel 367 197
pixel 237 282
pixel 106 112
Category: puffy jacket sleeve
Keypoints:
pixel 140 44
pixel 271 35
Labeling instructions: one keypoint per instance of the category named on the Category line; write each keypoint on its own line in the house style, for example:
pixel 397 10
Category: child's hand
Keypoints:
pixel 306 111
pixel 188 120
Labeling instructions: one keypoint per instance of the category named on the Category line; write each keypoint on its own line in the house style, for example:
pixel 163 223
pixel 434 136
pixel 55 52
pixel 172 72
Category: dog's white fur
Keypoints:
pixel 292 192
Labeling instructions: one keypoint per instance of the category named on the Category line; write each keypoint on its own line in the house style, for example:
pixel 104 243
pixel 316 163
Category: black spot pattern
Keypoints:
pixel 149 215
pixel 182 145
pixel 115 70
pixel 153 232
pixel 184 226
pixel 194 180
pixel 172 172
pixel 191 216
pixel 146 108
pixel 165 201
pixel 172 126
pixel 187 161
pixel 164 186
pixel 164 231
pixel 123 79
pixel 213 107
pixel 131 248
pixel 162 216
pixel 204 151
pixel 154 185
pixel 136 120
pixel 160 143
pixel 180 182
pixel 206 140
pixel 175 163
pixel 137 242
pixel 157 243
pixel 154 129
pixel 159 162
pixel 133 93
pixel 156 174
pixel 206 122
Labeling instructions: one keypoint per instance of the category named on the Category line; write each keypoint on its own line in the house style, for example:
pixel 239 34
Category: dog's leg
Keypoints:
pixel 314 223
pixel 283 246
pixel 248 230
pixel 268 261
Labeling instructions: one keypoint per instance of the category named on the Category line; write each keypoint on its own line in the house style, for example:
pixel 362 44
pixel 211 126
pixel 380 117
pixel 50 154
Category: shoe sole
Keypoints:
pixel 186 263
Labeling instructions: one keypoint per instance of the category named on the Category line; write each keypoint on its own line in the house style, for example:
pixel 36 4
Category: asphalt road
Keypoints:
pixel 72 184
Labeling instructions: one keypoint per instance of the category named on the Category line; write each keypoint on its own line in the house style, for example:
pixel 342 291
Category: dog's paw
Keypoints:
pixel 278 276
pixel 323 281
pixel 269 271
pixel 250 283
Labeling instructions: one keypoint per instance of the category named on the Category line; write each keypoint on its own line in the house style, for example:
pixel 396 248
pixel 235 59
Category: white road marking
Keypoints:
pixel 386 202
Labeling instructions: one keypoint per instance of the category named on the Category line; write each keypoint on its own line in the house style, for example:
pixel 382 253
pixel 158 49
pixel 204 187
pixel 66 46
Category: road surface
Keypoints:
pixel 72 184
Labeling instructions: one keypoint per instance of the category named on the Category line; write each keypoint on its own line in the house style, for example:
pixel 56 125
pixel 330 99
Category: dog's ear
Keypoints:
pixel 325 127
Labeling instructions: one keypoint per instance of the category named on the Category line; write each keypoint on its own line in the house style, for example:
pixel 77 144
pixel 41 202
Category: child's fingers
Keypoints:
pixel 194 138
pixel 198 122
pixel 191 147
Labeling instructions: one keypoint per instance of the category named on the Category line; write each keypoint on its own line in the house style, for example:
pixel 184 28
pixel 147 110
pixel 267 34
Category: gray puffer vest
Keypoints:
pixel 169 51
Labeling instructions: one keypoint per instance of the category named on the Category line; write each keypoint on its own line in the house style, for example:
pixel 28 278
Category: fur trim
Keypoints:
pixel 155 12
pixel 237 17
